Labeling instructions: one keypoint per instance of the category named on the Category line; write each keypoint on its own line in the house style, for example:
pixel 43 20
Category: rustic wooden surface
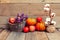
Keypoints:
pixel 27 36
pixel 4 34
pixel 11 9
pixel 54 36
pixel 29 1
pixel 37 35
pixel 34 9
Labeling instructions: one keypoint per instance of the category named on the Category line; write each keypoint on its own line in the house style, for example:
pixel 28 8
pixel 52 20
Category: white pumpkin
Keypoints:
pixel 51 29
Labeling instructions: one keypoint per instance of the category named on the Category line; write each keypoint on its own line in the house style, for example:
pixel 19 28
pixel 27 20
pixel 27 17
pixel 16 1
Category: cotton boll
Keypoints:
pixel 47 19
pixel 46 23
pixel 46 9
pixel 53 14
pixel 47 5
pixel 53 22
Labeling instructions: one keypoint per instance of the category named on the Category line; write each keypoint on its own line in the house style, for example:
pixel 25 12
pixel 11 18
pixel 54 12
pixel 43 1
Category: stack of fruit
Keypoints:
pixel 34 24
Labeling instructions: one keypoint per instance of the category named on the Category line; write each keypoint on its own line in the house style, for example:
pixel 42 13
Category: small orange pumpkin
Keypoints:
pixel 31 21
pixel 40 26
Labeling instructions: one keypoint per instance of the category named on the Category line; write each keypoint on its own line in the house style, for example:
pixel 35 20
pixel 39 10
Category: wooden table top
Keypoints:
pixel 33 9
pixel 37 35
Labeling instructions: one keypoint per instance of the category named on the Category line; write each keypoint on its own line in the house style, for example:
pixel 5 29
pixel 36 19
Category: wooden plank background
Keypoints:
pixel 33 9
pixel 11 9
pixel 29 1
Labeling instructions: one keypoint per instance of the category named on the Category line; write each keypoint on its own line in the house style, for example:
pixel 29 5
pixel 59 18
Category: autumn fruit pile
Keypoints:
pixel 33 24
pixel 30 25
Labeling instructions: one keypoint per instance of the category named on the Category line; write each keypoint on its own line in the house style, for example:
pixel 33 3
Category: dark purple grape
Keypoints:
pixel 22 15
pixel 21 19
pixel 18 19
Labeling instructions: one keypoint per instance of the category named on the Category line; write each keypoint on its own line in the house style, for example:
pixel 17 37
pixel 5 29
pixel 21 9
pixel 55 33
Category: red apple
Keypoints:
pixel 32 28
pixel 11 20
pixel 26 29
pixel 39 19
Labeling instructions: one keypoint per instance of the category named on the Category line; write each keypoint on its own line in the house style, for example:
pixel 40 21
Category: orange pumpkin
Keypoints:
pixel 31 21
pixel 40 26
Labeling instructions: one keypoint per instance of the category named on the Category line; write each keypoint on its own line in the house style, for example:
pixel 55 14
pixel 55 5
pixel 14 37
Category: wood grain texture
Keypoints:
pixel 16 36
pixel 36 36
pixel 29 1
pixel 54 36
pixel 3 20
pixel 53 1
pixel 4 34
pixel 12 9
pixel 21 1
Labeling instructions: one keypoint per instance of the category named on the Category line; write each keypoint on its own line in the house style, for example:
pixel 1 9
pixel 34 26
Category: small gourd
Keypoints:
pixel 51 29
